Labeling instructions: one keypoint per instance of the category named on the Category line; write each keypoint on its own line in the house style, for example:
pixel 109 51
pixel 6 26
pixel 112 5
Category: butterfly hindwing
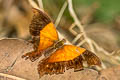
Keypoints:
pixel 67 57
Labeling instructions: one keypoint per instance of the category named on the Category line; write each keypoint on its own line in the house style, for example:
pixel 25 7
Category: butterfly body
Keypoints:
pixel 58 55
pixel 54 47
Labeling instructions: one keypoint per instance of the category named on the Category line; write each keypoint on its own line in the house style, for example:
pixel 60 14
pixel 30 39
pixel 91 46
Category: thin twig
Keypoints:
pixel 99 48
pixel 76 38
pixel 60 13
pixel 91 45
pixel 40 2
pixel 81 43
pixel 72 13
pixel 71 29
pixel 11 76
pixel 70 7
pixel 33 4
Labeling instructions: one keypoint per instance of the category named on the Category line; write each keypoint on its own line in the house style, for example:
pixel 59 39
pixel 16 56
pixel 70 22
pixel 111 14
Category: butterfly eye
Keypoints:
pixel 63 41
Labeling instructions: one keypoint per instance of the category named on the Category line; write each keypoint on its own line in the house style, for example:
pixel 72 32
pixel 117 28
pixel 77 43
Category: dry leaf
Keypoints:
pixel 12 64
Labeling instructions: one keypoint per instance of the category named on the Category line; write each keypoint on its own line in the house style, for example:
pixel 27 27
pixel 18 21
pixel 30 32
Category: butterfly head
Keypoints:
pixel 63 41
pixel 60 43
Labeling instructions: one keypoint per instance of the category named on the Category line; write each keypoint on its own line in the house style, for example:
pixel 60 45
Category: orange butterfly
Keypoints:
pixel 58 55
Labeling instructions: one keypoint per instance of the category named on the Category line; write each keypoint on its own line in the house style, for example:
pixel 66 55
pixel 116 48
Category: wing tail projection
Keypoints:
pixel 91 58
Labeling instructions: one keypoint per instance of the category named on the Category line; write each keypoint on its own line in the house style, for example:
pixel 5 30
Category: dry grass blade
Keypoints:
pixel 33 4
pixel 61 13
pixel 11 76
pixel 77 22
pixel 40 4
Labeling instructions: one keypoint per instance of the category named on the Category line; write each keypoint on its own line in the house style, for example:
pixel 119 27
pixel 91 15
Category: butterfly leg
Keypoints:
pixel 34 55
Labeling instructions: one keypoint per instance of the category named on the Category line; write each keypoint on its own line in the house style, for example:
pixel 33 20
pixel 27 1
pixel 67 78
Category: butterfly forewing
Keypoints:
pixel 44 34
pixel 48 33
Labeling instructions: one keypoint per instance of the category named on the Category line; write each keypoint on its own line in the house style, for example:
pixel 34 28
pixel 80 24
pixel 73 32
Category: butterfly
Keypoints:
pixel 58 55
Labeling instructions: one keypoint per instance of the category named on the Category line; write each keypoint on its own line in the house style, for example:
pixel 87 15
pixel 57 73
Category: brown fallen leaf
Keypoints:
pixel 13 67
pixel 11 62
pixel 112 73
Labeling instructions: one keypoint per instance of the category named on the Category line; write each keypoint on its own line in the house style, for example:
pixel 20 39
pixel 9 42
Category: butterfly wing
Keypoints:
pixel 42 26
pixel 67 57
pixel 48 36
pixel 91 58
pixel 43 33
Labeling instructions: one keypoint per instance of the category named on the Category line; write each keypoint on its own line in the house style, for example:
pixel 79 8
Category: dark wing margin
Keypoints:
pixel 39 21
pixel 44 67
pixel 91 58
